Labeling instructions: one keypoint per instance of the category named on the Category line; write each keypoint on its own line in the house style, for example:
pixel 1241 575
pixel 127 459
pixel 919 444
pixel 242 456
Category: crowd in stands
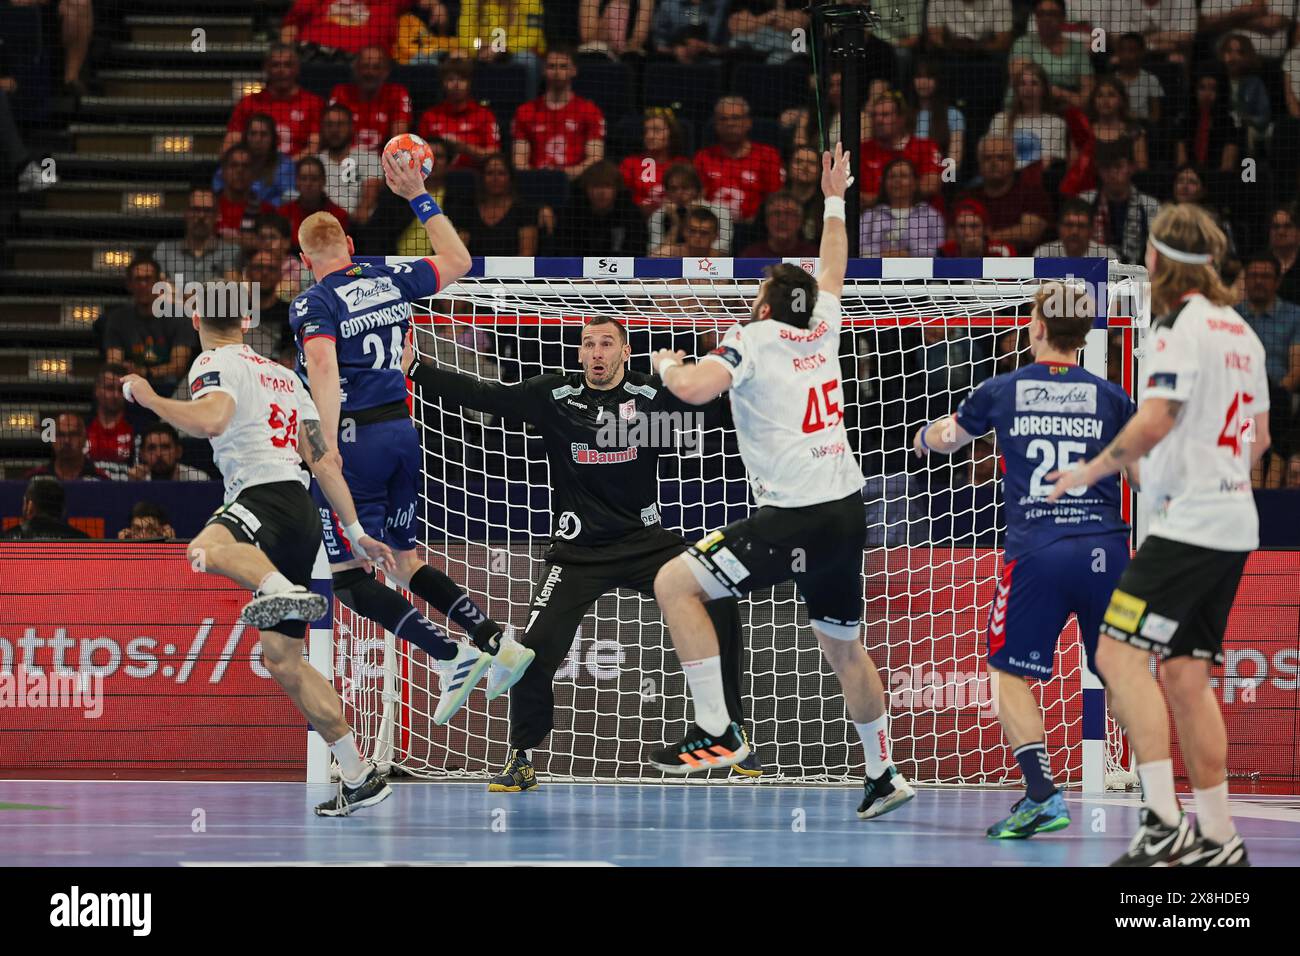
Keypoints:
pixel 990 128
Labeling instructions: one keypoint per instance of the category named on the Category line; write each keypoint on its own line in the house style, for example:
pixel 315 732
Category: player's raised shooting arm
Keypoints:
pixel 834 253
pixel 323 379
pixel 696 384
pixel 450 257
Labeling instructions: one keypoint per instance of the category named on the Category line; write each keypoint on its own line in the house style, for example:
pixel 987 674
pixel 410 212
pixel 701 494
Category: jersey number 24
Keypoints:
pixel 373 342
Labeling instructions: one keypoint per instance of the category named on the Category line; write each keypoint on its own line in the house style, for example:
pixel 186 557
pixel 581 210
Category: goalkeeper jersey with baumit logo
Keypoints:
pixel 603 446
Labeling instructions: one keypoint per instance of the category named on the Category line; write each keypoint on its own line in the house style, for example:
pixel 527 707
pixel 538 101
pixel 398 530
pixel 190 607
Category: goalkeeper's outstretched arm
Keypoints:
pixel 509 401
pixel 834 252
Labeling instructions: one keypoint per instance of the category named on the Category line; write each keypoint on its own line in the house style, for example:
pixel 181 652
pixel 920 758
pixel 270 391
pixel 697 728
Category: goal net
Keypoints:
pixel 918 335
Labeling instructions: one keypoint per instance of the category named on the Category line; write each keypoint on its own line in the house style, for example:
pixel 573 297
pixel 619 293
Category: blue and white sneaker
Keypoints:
pixel 1029 817
pixel 456 679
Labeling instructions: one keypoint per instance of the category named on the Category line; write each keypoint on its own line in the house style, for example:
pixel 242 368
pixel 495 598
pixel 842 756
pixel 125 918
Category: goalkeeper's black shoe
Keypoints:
pixel 373 789
pixel 699 751
pixel 517 775
pixel 887 792
pixel 1156 843
pixel 750 766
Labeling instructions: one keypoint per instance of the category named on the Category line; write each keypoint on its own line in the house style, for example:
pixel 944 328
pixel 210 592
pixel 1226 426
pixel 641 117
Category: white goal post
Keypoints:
pixel 918 335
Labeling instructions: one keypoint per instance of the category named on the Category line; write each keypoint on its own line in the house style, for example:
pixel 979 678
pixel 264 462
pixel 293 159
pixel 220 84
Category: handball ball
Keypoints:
pixel 410 149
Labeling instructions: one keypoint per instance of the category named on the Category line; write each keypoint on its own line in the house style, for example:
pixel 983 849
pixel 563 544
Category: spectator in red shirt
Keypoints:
pixel 68 461
pixel 348 26
pixel 311 197
pixel 1017 207
pixel 468 126
pixel 971 234
pixel 380 110
pixel 112 439
pixel 237 202
pixel 783 217
pixel 737 172
pixel 661 148
pixel 559 129
pixel 891 140
pixel 296 111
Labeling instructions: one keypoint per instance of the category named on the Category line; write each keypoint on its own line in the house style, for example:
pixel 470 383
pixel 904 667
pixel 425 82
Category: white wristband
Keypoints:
pixel 354 532
pixel 834 208
pixel 666 363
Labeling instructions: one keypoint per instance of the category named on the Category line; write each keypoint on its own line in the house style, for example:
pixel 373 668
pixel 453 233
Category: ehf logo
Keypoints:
pixel 808 265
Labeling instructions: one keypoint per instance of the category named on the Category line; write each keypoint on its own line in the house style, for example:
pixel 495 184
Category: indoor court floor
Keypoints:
pixel 148 823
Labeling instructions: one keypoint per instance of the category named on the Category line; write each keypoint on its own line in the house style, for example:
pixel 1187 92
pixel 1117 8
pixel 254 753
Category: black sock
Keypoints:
pixel 372 600
pixel 1037 771
pixel 447 596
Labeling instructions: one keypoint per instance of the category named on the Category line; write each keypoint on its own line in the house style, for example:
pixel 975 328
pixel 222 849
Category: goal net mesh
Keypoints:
pixel 911 349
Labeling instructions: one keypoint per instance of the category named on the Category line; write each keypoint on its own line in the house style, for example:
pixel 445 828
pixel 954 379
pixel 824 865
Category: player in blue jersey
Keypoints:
pixel 350 328
pixel 1058 558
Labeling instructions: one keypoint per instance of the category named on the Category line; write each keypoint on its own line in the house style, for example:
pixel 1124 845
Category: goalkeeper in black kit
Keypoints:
pixel 605 530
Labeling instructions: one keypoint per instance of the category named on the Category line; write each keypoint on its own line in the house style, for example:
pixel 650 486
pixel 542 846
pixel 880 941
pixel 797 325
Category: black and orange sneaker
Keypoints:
pixel 699 751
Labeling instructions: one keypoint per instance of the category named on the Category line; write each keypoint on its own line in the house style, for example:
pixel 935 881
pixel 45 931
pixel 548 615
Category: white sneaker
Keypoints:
pixel 508 666
pixel 456 678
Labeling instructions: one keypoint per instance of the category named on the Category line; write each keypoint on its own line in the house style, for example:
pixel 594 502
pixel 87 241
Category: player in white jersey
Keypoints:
pixel 783 372
pixel 1202 425
pixel 267 533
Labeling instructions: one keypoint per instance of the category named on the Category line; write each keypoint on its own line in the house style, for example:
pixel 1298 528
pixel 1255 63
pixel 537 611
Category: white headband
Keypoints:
pixel 1191 258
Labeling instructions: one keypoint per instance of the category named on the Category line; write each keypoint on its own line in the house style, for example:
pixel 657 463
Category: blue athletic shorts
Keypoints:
pixel 1038 593
pixel 382 468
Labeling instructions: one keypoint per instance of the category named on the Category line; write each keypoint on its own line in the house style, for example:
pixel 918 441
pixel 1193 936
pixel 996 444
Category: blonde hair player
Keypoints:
pixel 782 370
pixel 350 329
pixel 266 535
pixel 1202 425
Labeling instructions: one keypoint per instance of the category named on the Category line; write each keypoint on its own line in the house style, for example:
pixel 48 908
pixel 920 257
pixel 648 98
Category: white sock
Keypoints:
pixel 1158 790
pixel 1212 813
pixel 875 742
pixel 351 766
pixel 704 677
pixel 275 583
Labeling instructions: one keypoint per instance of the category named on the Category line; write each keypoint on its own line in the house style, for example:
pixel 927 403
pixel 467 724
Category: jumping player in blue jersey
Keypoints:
pixel 1059 558
pixel 350 328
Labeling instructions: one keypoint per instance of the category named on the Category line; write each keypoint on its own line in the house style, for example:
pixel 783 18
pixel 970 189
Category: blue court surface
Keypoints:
pixel 89 823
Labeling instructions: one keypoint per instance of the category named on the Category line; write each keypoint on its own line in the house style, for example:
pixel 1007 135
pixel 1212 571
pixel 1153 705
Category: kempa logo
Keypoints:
pixel 216 300
pixel 75 909
pixel 32 687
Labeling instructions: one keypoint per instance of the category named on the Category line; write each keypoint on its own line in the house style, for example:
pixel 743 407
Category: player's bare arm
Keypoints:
pixel 834 252
pixel 696 384
pixel 323 380
pixel 450 257
pixel 208 416
pixel 1154 420
pixel 943 435
pixel 326 465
